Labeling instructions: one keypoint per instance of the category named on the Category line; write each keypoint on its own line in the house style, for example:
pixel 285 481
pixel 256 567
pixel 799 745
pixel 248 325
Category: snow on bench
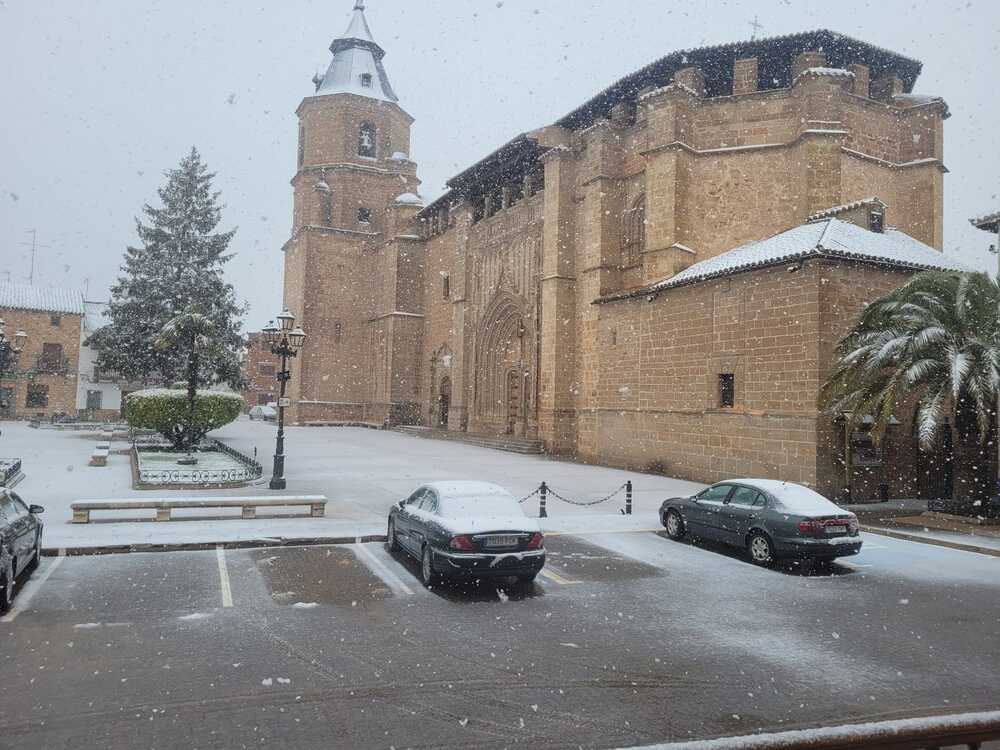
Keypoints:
pixel 164 506
pixel 100 455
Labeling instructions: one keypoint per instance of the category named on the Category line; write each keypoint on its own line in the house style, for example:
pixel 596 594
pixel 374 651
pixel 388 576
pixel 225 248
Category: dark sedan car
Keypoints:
pixel 467 530
pixel 20 543
pixel 768 518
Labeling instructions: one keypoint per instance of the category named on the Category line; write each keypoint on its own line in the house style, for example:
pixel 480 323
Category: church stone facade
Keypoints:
pixel 532 299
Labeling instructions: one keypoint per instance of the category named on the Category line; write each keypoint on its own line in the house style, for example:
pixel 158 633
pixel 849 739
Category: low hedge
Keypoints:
pixel 166 411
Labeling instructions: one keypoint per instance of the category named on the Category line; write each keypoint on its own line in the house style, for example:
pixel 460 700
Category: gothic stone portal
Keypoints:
pixel 505 372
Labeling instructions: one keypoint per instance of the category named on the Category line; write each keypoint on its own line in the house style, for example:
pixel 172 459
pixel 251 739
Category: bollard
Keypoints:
pixel 543 491
pixel 628 498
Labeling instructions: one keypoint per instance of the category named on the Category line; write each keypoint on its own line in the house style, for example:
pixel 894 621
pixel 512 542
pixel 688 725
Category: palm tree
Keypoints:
pixel 934 342
pixel 191 334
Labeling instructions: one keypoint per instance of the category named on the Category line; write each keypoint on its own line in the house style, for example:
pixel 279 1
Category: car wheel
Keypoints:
pixel 391 537
pixel 761 549
pixel 675 525
pixel 427 573
pixel 6 587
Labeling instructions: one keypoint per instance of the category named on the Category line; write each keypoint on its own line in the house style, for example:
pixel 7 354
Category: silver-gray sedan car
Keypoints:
pixel 768 518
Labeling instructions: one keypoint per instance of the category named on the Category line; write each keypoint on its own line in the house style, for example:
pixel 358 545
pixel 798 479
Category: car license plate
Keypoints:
pixel 836 529
pixel 506 540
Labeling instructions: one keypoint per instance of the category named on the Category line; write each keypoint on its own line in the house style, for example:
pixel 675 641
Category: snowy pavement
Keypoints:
pixel 627 639
pixel 362 473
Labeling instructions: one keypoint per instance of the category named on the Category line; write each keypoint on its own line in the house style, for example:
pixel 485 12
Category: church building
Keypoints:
pixel 657 280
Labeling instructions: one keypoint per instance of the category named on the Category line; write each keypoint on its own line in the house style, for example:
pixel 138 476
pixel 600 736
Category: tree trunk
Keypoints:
pixel 192 393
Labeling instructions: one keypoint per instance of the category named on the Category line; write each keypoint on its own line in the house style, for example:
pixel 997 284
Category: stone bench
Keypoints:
pixel 100 457
pixel 164 507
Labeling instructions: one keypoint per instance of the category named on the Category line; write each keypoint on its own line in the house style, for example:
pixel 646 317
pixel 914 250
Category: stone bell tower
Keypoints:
pixel 353 163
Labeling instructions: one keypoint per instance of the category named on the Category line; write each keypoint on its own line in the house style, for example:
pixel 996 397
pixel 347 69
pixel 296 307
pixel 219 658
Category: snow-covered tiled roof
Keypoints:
pixel 826 213
pixel 830 238
pixel 988 222
pixel 42 299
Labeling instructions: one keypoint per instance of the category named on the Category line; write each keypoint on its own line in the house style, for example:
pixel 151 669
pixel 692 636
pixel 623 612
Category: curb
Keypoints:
pixel 125 549
pixel 991 551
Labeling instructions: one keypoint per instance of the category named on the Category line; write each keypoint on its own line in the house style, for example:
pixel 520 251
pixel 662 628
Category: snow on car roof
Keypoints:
pixel 794 497
pixel 467 489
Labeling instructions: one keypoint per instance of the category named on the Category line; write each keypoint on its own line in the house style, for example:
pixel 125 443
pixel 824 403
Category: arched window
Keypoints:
pixel 366 140
pixel 634 232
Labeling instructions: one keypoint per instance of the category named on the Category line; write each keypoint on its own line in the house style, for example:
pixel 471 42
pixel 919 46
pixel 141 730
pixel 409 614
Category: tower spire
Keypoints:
pixel 357 63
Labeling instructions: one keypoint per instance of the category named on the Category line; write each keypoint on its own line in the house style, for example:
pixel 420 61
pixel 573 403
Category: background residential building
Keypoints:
pixel 44 381
pixel 260 369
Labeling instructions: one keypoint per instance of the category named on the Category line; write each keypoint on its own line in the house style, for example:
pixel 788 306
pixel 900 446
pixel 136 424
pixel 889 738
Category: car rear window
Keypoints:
pixel 795 498
pixel 479 505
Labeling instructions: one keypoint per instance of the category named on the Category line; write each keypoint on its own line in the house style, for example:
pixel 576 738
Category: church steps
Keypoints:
pixel 501 443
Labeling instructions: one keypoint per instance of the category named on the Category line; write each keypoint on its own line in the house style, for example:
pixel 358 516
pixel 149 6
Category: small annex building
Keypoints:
pixel 657 279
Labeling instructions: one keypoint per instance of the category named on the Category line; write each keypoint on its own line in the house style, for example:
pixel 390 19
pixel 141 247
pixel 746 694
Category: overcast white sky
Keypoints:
pixel 100 97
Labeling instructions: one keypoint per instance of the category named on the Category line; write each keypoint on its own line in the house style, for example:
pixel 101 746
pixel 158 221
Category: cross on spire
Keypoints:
pixel 359 5
pixel 756 25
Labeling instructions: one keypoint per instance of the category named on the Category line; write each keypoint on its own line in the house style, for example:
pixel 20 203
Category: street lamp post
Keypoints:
pixel 285 341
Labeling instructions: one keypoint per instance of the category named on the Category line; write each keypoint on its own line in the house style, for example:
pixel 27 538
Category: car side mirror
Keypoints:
pixel 36 510
pixel 401 504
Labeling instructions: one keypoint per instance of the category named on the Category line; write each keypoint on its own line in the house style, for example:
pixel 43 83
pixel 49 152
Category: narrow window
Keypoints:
pixel 727 390
pixel 51 358
pixel 446 287
pixel 364 216
pixel 302 145
pixel 338 331
pixel 38 397
pixel 267 370
pixel 634 232
pixel 326 208
pixel 366 140
pixel 366 80
pixel 56 320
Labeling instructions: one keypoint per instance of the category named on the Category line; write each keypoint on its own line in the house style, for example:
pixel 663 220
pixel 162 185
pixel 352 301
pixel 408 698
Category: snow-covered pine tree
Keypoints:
pixel 177 267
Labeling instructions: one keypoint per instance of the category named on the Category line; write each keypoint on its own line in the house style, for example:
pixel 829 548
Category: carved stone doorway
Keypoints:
pixel 444 403
pixel 514 405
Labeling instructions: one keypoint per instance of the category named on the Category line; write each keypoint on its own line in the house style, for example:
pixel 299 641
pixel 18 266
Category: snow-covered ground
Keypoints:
pixel 362 472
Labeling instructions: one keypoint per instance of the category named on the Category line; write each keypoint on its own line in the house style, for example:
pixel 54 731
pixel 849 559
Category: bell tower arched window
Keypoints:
pixel 366 140
pixel 634 232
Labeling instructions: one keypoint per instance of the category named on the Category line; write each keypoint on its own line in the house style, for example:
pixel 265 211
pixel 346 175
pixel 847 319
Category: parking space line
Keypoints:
pixel 390 579
pixel 557 578
pixel 32 587
pixel 227 591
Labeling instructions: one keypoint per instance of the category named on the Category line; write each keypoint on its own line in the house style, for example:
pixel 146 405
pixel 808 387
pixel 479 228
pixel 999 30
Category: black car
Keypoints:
pixel 467 530
pixel 20 542
pixel 768 518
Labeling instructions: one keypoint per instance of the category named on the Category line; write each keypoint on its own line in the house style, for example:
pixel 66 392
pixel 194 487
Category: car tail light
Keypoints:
pixel 462 543
pixel 853 525
pixel 536 541
pixel 807 527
